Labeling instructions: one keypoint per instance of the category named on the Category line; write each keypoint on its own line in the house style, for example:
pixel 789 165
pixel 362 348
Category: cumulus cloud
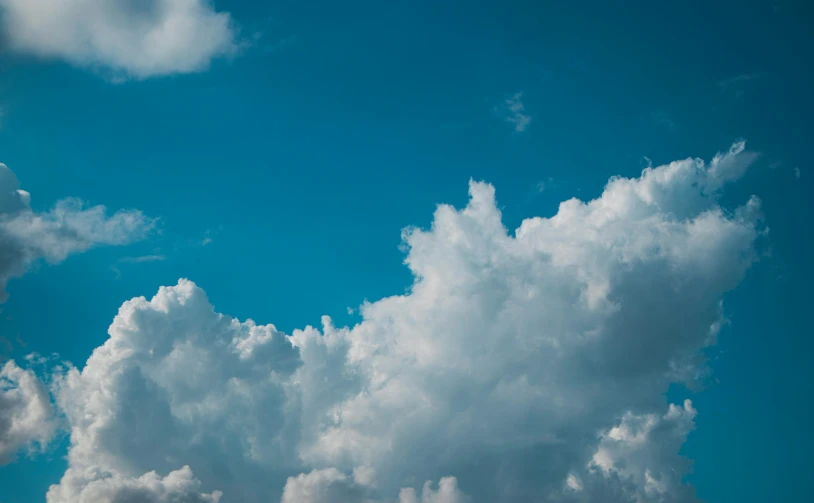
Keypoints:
pixel 137 39
pixel 27 420
pixel 323 486
pixel 93 485
pixel 644 448
pixel 447 492
pixel 70 226
pixel 517 113
pixel 525 366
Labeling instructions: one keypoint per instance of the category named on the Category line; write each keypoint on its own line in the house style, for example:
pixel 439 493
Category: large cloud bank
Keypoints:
pixel 524 367
pixel 69 227
pixel 135 38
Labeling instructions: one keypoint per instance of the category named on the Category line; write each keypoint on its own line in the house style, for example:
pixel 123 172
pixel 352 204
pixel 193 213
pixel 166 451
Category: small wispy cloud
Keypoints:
pixel 738 83
pixel 542 185
pixel 210 234
pixel 797 172
pixel 134 260
pixel 660 118
pixel 517 113
pixel 746 77
pixel 142 258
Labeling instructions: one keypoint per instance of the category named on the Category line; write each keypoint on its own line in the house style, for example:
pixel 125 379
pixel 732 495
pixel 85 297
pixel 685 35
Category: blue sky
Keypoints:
pixel 282 174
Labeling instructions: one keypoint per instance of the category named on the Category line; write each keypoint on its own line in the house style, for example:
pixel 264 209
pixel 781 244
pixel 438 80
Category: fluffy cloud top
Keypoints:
pixel 519 367
pixel 95 486
pixel 130 37
pixel 27 236
pixel 26 416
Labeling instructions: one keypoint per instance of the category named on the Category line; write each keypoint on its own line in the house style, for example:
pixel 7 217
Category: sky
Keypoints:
pixel 434 252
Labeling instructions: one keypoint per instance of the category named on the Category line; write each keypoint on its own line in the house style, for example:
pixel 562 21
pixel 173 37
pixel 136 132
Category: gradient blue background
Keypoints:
pixel 346 121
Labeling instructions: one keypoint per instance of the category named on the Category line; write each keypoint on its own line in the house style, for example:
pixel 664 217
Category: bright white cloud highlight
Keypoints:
pixel 447 492
pixel 644 449
pixel 69 227
pixel 323 486
pixel 520 367
pixel 27 419
pixel 131 38
pixel 95 486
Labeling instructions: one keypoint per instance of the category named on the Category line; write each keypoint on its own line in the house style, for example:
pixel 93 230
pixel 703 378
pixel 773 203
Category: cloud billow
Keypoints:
pixel 126 38
pixel 27 419
pixel 519 367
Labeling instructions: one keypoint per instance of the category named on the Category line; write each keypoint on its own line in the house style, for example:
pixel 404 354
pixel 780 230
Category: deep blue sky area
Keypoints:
pixel 340 123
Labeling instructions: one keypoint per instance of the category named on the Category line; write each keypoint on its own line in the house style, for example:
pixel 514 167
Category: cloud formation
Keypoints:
pixel 27 420
pixel 95 486
pixel 69 227
pixel 525 366
pixel 137 39
pixel 517 113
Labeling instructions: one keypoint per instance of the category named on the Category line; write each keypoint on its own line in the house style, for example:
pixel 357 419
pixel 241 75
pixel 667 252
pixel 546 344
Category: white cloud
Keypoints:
pixel 517 115
pixel 447 492
pixel 69 227
pixel 644 449
pixel 27 419
pixel 323 486
pixel 796 172
pixel 530 366
pixel 93 485
pixel 138 39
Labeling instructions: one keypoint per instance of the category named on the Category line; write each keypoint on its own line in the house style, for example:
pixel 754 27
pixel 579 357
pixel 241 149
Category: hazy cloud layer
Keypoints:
pixel 129 38
pixel 520 367
pixel 69 227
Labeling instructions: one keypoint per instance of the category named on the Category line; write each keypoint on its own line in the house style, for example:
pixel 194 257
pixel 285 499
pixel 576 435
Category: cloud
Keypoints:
pixel 516 111
pixel 796 172
pixel 209 235
pixel 137 39
pixel 529 366
pixel 323 486
pixel 726 84
pixel 738 84
pixel 27 420
pixel 644 449
pixel 179 486
pixel 542 185
pixel 447 492
pixel 27 237
pixel 142 258
pixel 661 119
